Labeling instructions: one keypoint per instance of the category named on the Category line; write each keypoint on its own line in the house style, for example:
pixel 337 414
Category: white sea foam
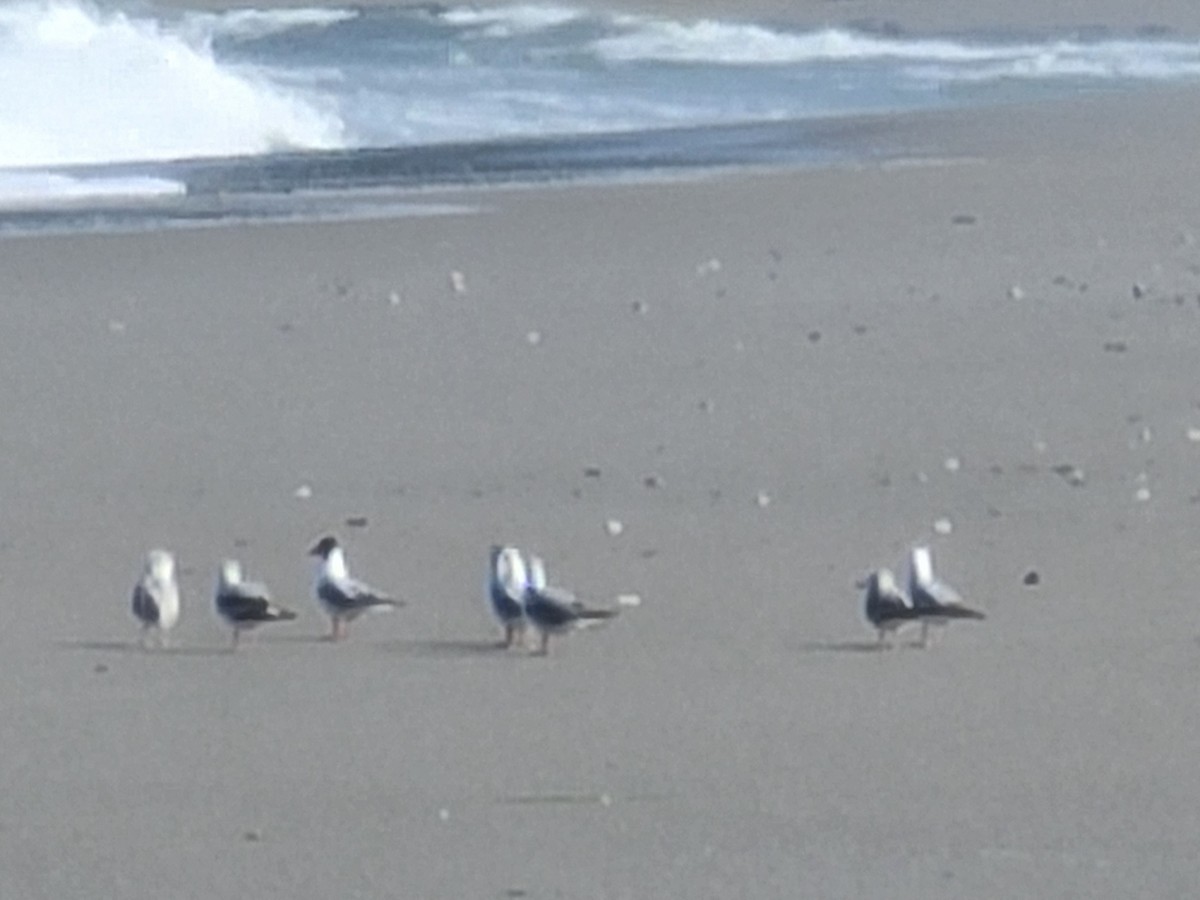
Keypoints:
pixel 708 41
pixel 32 188
pixel 93 85
pixel 100 86
pixel 249 24
pixel 505 21
pixel 727 43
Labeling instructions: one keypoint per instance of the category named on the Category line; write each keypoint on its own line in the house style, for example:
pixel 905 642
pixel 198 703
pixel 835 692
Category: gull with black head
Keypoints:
pixel 342 597
pixel 888 608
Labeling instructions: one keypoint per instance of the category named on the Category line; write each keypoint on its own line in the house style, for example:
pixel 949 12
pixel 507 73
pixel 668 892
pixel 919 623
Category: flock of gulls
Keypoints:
pixel 518 595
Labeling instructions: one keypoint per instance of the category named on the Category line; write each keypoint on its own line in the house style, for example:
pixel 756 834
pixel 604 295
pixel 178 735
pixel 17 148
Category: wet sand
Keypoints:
pixel 793 358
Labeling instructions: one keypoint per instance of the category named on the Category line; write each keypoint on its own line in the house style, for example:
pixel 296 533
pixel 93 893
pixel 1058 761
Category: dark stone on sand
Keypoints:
pixel 591 472
pixel 1072 475
pixel 356 522
pixel 1031 579
pixel 964 219
pixel 1115 346
pixel 814 336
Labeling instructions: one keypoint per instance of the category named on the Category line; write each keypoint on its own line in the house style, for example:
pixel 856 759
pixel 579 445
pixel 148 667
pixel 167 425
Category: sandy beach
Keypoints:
pixel 783 379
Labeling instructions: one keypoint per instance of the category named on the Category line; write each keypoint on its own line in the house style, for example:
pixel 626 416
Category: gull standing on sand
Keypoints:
pixel 245 604
pixel 552 610
pixel 888 608
pixel 935 601
pixel 343 598
pixel 507 580
pixel 156 596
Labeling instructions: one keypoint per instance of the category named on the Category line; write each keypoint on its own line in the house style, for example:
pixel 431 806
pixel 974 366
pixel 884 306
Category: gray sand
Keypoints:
pixel 728 738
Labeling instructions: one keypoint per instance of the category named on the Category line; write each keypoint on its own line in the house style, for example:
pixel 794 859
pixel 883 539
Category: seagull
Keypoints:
pixel 936 603
pixel 507 580
pixel 552 610
pixel 156 596
pixel 888 608
pixel 343 598
pixel 245 604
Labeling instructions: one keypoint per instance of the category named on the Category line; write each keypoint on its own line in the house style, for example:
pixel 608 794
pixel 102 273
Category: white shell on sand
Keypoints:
pixel 952 464
pixel 394 298
pixel 943 526
pixel 534 338
pixel 458 282
pixel 116 326
pixel 708 267
pixel 303 492
pixel 1016 292
pixel 614 527
pixel 763 499
pixel 1193 435
pixel 629 600
pixel 1142 494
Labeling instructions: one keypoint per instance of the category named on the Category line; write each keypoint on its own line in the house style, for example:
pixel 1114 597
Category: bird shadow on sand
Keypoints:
pixel 135 648
pixel 452 648
pixel 852 647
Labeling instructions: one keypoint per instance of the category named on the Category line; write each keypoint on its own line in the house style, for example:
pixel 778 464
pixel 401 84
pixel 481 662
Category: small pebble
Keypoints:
pixel 394 298
pixel 943 526
pixel 534 338
pixel 763 499
pixel 1138 290
pixel 1193 435
pixel 708 267
pixel 963 219
pixel 614 527
pixel 1016 292
pixel 591 472
pixel 444 814
pixel 1115 346
pixel 921 478
pixel 952 464
pixel 605 800
pixel 100 669
pixel 652 482
pixel 1142 495
pixel 356 522
pixel 629 599
pixel 1147 435
pixel 458 282
pixel 252 835
pixel 116 326
pixel 704 406
pixel 303 492
pixel 1031 579
pixel 639 307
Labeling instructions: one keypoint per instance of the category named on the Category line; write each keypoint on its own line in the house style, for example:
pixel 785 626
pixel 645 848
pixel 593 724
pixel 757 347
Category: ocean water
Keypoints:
pixel 118 116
